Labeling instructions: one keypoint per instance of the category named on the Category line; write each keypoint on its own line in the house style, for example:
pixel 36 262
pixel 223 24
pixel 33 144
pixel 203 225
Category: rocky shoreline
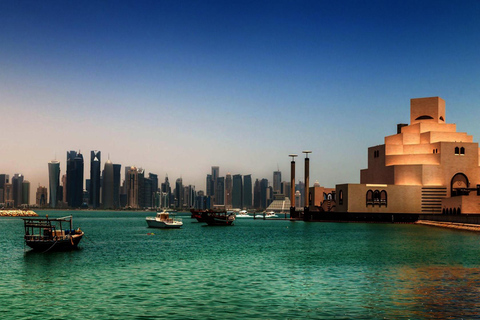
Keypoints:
pixel 18 213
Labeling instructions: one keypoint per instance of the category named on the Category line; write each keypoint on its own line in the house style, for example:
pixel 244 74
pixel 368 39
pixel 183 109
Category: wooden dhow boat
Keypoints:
pixel 46 234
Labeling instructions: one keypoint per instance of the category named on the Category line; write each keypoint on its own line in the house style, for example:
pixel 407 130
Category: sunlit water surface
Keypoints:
pixel 254 270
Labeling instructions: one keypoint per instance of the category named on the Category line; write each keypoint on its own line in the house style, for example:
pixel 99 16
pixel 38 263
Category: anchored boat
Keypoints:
pixel 164 221
pixel 45 234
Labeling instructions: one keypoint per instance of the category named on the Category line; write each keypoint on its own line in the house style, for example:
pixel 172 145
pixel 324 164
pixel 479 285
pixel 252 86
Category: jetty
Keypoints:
pixel 451 225
pixel 18 213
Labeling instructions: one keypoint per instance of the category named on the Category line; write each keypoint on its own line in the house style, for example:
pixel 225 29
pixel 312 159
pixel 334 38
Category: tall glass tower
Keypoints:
pixel 247 191
pixel 95 162
pixel 237 192
pixel 54 182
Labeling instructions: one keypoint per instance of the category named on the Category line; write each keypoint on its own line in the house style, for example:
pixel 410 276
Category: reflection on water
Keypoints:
pixel 254 270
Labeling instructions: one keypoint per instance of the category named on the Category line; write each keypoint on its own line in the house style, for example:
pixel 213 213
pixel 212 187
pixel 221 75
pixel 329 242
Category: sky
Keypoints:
pixel 176 87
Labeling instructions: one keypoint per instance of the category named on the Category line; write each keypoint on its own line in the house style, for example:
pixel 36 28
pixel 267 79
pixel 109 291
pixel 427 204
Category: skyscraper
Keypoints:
pixel 179 193
pixel 228 190
pixel 54 182
pixel 132 187
pixel 237 192
pixel 25 192
pixel 17 181
pixel 117 168
pixel 74 179
pixel 41 196
pixel 215 174
pixel 256 195
pixel 108 185
pixel 247 191
pixel 277 182
pixel 4 179
pixel 95 163
pixel 263 193
pixel 220 191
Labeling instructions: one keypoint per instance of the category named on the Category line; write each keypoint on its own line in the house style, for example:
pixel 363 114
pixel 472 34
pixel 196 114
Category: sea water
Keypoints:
pixel 256 269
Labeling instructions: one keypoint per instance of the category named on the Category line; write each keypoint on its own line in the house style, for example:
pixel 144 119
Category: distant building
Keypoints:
pixel 25 192
pixel 117 168
pixel 17 181
pixel 256 195
pixel 215 175
pixel 132 187
pixel 74 179
pixel 264 193
pixel 277 182
pixel 237 192
pixel 4 178
pixel 247 191
pixel 41 196
pixel 179 193
pixel 94 192
pixel 54 182
pixel 8 195
pixel 220 192
pixel 108 185
pixel 228 191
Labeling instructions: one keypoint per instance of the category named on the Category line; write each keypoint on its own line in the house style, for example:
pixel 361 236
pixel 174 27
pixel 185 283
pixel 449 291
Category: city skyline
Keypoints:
pixel 179 87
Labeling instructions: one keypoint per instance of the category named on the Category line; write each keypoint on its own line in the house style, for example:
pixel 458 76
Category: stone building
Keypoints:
pixel 427 167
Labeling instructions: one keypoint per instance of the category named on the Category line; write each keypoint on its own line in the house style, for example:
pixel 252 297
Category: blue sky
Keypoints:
pixel 176 87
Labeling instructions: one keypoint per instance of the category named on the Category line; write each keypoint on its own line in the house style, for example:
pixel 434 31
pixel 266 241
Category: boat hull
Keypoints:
pixel 153 223
pixel 58 245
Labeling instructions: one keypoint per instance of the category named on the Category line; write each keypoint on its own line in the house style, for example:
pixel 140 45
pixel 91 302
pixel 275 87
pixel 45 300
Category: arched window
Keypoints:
pixel 340 197
pixel 369 197
pixel 376 197
pixel 443 211
pixel 462 151
pixel 454 211
pixel 459 211
pixel 383 198
pixel 457 151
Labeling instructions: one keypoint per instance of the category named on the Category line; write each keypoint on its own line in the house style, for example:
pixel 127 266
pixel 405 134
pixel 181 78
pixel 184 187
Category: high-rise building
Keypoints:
pixel 166 193
pixel 17 181
pixel 94 192
pixel 64 184
pixel 117 168
pixel 228 191
pixel 108 185
pixel 256 195
pixel 237 192
pixel 8 195
pixel 215 175
pixel 263 193
pixel 131 181
pixel 54 182
pixel 277 181
pixel 220 192
pixel 147 193
pixel 209 185
pixel 25 192
pixel 141 188
pixel 74 179
pixel 286 189
pixel 4 179
pixel 41 196
pixel 179 193
pixel 247 191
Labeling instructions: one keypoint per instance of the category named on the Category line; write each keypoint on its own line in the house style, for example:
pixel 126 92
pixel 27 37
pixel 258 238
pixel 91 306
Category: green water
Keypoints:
pixel 254 270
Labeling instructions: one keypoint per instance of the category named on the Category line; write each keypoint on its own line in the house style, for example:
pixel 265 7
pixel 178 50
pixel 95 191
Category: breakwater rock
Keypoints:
pixel 451 225
pixel 18 213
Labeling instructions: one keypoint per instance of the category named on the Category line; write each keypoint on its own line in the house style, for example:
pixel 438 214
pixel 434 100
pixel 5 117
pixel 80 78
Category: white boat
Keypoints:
pixel 164 221
pixel 270 214
pixel 243 214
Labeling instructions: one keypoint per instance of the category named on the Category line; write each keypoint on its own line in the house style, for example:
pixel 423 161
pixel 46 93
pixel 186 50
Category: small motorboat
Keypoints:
pixel 164 221
pixel 243 214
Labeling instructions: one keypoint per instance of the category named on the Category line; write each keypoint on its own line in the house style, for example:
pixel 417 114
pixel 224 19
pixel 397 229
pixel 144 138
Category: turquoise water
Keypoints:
pixel 254 270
